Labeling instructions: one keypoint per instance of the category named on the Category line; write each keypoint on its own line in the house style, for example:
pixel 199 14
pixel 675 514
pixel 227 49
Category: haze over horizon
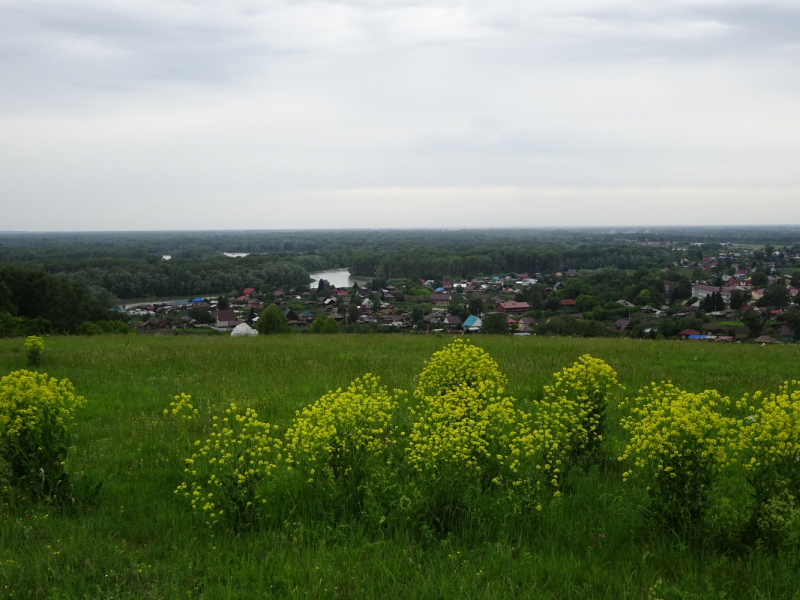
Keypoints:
pixel 330 114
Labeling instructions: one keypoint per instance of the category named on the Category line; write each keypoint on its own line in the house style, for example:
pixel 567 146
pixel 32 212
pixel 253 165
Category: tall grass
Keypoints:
pixel 142 541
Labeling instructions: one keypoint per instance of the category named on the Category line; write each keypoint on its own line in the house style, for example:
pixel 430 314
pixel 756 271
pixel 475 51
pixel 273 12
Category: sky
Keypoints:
pixel 249 114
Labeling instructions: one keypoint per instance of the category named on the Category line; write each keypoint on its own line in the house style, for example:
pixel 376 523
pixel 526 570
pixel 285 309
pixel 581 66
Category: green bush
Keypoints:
pixel 34 347
pixel 35 414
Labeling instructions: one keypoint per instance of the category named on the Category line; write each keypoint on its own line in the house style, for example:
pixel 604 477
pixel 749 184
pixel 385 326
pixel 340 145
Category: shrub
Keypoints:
pixel 272 320
pixel 459 364
pixel 343 438
pixel 769 445
pixel 225 472
pixel 34 346
pixel 680 443
pixel 580 393
pixel 462 437
pixel 324 324
pixel 35 414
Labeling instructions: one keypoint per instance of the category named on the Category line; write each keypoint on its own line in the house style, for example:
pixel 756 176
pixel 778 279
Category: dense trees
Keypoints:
pixel 33 301
pixel 272 320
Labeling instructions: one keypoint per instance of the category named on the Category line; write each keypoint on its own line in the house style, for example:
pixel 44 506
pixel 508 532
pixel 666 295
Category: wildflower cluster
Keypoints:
pixel 769 446
pixel 582 390
pixel 680 443
pixel 35 414
pixel 337 437
pixel 224 473
pixel 34 346
pixel 181 407
pixel 569 421
pixel 462 433
pixel 460 364
pixel 470 436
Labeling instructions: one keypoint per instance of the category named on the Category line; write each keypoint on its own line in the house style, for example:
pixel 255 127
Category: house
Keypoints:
pixel 765 339
pixel 197 301
pixel 290 315
pixel 512 307
pixel 306 317
pixel 572 272
pixel 452 320
pixel 686 333
pixel 787 335
pixel 626 304
pixel 249 291
pixel 440 299
pixel 226 317
pixel 622 325
pixel 701 291
pixel 473 323
pixel 526 325
pixel 568 303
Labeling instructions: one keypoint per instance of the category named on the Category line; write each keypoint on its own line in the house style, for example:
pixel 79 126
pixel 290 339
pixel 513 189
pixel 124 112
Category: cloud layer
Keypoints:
pixel 368 113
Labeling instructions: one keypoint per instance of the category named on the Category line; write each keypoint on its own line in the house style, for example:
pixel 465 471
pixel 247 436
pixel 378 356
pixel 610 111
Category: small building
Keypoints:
pixel 622 325
pixel 687 333
pixel 452 320
pixel 473 323
pixel 440 298
pixel 512 307
pixel 226 318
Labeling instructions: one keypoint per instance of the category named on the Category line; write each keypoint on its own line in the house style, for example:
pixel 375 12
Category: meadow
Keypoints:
pixel 142 540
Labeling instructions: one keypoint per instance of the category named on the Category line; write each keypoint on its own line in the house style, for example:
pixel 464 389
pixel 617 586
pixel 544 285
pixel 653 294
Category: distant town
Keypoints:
pixel 731 296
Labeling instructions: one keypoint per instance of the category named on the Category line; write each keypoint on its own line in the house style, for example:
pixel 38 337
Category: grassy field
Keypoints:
pixel 142 541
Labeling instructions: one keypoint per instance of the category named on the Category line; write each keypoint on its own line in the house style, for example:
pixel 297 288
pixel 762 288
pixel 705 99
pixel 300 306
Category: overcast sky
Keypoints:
pixel 211 114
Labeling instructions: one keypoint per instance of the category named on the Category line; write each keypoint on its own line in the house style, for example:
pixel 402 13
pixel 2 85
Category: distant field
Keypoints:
pixel 143 542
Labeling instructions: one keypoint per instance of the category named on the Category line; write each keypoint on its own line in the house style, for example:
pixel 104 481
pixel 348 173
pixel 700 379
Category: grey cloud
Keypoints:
pixel 111 101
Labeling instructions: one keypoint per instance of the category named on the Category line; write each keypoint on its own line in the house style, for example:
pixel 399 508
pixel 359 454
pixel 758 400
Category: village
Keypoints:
pixel 727 303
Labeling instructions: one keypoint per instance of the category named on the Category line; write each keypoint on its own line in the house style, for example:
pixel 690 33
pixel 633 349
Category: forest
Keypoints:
pixel 68 279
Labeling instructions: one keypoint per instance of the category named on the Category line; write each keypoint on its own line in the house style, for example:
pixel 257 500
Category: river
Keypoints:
pixel 339 278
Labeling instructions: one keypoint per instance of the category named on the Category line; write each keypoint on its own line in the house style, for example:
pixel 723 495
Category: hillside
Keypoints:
pixel 142 541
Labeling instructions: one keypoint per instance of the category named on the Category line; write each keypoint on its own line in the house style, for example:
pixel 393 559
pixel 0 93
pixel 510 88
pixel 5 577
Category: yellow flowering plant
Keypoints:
pixel 36 412
pixel 343 439
pixel 181 408
pixel 459 364
pixel 769 451
pixel 224 473
pixel 680 443
pixel 580 393
pixel 459 448
pixel 468 440
pixel 34 347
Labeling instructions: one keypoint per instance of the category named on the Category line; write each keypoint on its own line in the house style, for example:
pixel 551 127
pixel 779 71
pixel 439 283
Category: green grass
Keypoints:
pixel 143 542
